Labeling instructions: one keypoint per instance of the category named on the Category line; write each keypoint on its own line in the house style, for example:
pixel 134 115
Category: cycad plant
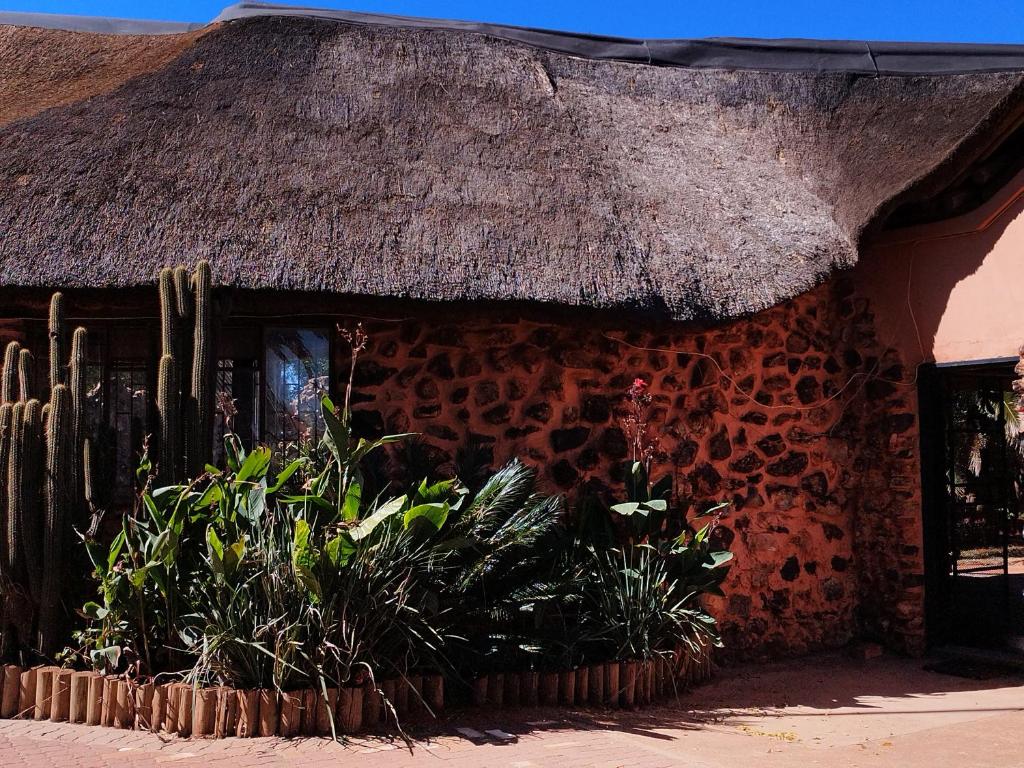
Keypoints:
pixel 643 598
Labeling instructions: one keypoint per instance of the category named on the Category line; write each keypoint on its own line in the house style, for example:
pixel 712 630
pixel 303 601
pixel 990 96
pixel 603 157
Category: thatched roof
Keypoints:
pixel 367 158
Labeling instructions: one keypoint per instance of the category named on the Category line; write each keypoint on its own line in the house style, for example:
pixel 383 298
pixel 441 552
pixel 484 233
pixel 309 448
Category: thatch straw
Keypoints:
pixel 310 154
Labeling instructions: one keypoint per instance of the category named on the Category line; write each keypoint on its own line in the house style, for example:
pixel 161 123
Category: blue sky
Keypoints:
pixel 939 20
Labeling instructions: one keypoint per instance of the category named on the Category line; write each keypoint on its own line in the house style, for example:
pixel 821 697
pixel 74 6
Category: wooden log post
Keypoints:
pixel 433 693
pixel 108 700
pixel 596 677
pixel 268 712
pixel 350 710
pixel 79 703
pixel 94 703
pixel 173 695
pixel 143 699
pixel 496 689
pixel 124 714
pixel 611 683
pixel 582 685
pixel 44 692
pixel 290 717
pixel 60 695
pixel 159 708
pixel 627 674
pixel 248 724
pixel 480 692
pixel 373 707
pixel 326 713
pixel 309 707
pixel 416 706
pixel 513 689
pixel 27 693
pixel 548 689
pixel 186 702
pixel 10 687
pixel 227 713
pixel 567 687
pixel 401 700
pixel 528 693
pixel 204 716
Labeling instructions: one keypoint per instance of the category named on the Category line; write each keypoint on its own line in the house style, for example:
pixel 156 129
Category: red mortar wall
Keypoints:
pixel 795 417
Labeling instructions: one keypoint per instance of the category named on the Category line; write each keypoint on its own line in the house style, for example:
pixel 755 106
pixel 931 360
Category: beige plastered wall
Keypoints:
pixel 952 291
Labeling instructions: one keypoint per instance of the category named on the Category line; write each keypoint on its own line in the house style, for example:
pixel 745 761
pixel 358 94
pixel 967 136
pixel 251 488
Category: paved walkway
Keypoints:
pixel 826 711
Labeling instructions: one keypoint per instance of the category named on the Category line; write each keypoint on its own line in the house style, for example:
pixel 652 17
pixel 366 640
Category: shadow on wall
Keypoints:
pixel 948 292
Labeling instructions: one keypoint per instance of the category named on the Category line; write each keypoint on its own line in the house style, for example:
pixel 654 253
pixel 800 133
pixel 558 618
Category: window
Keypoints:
pixel 297 375
pixel 128 419
pixel 237 403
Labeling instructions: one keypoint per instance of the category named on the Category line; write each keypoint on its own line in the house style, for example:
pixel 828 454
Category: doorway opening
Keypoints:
pixel 972 454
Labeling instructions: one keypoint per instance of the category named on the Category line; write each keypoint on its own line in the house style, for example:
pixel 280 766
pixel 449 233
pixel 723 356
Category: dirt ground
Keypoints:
pixel 826 710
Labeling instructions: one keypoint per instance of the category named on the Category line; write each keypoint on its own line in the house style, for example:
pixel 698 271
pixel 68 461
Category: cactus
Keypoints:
pixel 14 452
pixel 170 431
pixel 41 483
pixel 57 339
pixel 76 389
pixel 59 492
pixel 31 486
pixel 6 570
pixel 9 387
pixel 186 372
pixel 26 375
pixel 202 370
pixel 168 390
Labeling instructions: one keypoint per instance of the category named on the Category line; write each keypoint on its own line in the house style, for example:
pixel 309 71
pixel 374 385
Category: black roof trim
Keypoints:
pixel 782 55
pixel 100 25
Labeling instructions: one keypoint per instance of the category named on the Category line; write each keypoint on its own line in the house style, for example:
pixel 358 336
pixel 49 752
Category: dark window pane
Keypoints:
pixel 237 397
pixel 297 374
pixel 128 416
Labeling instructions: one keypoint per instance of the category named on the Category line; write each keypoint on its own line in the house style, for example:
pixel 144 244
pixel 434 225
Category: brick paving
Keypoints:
pixel 827 711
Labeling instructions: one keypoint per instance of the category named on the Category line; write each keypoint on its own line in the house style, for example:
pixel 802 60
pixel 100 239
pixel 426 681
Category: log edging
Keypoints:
pixel 92 698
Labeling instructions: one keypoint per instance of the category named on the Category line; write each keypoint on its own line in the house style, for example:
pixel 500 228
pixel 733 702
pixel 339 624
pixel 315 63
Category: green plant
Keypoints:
pixel 645 600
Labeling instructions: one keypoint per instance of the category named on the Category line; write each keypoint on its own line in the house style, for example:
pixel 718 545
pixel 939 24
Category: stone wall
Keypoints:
pixel 795 416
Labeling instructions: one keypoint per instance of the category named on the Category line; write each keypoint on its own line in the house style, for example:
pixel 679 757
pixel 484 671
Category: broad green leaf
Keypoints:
pixel 255 465
pixel 115 549
pixel 304 559
pixel 336 434
pixel 340 549
pixel 211 496
pixel 365 527
pixel 353 501
pixel 233 556
pixel 216 550
pixel 434 513
pixel 285 475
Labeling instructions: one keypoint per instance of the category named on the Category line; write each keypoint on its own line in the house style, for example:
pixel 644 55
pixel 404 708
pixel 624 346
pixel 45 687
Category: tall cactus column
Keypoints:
pixel 201 438
pixel 59 493
pixel 186 373
pixel 168 390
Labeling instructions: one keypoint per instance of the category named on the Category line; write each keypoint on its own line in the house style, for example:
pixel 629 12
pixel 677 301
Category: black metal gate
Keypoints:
pixel 974 546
